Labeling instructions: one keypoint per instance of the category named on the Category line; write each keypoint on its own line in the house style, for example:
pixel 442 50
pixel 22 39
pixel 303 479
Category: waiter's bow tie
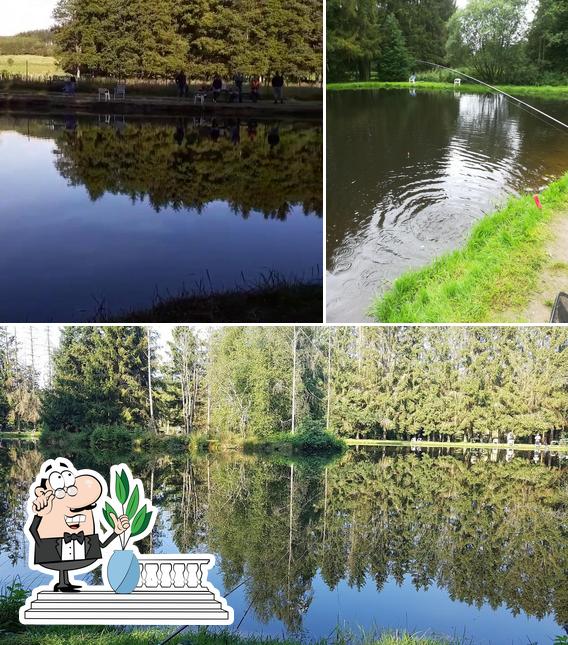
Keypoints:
pixel 74 536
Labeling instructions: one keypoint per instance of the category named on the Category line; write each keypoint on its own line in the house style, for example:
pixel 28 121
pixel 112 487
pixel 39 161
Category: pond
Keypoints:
pixel 471 542
pixel 108 214
pixel 409 172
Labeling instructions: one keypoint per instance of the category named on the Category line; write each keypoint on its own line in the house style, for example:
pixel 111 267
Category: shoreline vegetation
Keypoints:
pixel 550 91
pixel 275 300
pixel 492 277
pixel 151 636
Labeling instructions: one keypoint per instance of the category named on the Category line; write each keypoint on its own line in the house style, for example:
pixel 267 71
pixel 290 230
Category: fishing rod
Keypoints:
pixel 495 89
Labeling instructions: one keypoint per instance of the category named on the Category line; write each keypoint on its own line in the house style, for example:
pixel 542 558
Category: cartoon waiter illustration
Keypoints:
pixel 63 526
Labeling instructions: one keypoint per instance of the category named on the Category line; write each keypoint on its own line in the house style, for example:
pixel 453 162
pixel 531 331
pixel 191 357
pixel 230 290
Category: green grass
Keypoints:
pixel 450 444
pixel 494 273
pixel 551 91
pixel 152 636
pixel 37 65
pixel 302 442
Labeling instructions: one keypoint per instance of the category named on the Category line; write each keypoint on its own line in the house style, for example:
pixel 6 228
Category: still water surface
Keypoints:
pixel 107 215
pixel 455 542
pixel 408 173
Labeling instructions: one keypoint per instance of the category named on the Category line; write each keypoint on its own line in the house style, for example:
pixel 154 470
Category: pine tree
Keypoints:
pixel 393 63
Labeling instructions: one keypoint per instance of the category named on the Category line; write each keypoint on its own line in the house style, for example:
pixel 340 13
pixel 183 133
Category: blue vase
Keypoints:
pixel 123 571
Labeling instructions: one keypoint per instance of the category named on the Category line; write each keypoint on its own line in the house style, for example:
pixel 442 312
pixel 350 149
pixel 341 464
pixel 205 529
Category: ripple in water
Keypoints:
pixel 408 176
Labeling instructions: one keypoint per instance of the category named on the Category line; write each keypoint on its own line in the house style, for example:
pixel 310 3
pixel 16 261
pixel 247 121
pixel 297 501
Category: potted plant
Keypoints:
pixel 127 493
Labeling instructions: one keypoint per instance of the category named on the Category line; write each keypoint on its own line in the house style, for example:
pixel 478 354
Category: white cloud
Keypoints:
pixel 25 15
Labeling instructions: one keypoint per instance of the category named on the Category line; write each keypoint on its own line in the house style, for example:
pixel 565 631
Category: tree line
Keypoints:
pixel 37 43
pixel 153 39
pixel 358 382
pixel 495 40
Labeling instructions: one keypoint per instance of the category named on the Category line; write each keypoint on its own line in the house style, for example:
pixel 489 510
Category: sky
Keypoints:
pixel 25 15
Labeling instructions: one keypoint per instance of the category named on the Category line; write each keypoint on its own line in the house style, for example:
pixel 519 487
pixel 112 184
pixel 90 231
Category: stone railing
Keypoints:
pixel 173 590
pixel 173 572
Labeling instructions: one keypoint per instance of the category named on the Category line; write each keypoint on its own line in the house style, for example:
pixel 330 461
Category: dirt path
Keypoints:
pixel 554 278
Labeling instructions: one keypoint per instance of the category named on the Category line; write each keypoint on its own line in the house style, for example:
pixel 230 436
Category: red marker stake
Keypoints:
pixel 537 201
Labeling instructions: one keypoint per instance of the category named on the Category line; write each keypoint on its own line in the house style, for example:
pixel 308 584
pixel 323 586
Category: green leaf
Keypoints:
pixel 139 523
pixel 107 510
pixel 133 503
pixel 121 486
pixel 144 525
pixel 126 482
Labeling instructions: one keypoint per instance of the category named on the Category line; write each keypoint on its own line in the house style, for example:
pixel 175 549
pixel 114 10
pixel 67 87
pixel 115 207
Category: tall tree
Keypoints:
pixel 486 35
pixel 100 377
pixel 393 63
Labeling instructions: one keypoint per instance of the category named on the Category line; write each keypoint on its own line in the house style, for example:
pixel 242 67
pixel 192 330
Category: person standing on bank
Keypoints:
pixel 217 86
pixel 63 526
pixel 181 82
pixel 239 80
pixel 278 87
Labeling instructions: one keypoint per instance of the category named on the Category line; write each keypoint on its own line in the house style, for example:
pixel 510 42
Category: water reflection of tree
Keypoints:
pixel 19 464
pixel 189 165
pixel 487 532
pixel 485 529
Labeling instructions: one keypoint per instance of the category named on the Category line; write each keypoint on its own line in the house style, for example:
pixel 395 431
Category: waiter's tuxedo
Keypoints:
pixel 66 552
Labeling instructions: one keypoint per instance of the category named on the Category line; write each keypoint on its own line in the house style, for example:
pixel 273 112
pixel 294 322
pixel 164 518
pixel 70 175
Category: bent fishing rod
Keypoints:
pixel 495 89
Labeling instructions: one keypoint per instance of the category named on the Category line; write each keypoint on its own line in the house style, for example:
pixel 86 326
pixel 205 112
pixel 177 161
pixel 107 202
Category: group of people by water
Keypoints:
pixel 510 438
pixel 234 91
pixel 229 130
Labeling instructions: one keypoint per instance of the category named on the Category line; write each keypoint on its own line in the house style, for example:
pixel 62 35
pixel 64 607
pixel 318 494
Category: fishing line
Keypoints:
pixel 535 116
pixel 495 89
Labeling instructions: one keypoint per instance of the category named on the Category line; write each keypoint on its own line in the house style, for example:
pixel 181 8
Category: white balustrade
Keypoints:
pixel 173 572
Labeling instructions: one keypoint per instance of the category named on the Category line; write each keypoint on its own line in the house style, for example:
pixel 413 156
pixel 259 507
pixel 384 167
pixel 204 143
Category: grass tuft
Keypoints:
pixel 494 272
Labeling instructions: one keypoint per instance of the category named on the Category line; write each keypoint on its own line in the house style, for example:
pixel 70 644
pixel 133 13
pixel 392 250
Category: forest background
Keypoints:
pixel 112 383
pixel 505 41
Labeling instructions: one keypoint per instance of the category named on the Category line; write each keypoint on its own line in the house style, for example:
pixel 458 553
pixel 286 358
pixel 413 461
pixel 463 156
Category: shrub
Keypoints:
pixel 11 599
pixel 113 436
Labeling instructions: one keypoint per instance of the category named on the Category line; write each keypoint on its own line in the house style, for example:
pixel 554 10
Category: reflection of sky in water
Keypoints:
pixel 423 188
pixel 395 606
pixel 62 253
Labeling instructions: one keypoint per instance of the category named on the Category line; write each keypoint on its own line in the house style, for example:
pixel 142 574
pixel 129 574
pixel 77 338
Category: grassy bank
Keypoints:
pixel 134 86
pixel 550 91
pixel 304 442
pixel 495 272
pixel 152 636
pixel 451 444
